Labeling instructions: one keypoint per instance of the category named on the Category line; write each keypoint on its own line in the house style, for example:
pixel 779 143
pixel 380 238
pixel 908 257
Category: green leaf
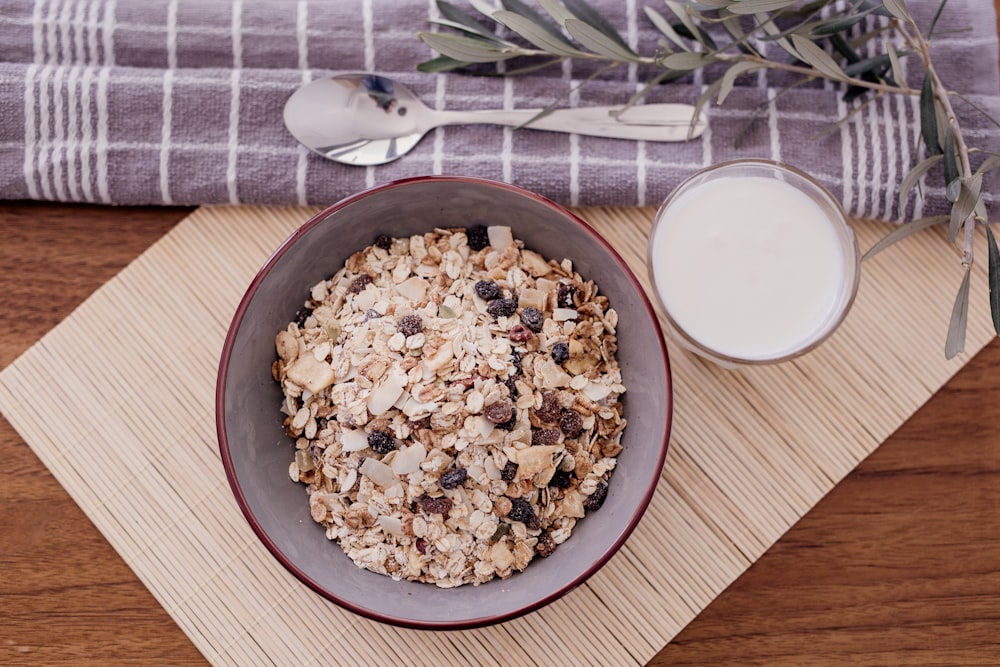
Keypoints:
pixel 456 15
pixel 928 116
pixel 688 60
pixel 817 57
pixel 767 25
pixel 705 96
pixel 898 9
pixel 529 13
pixel 583 11
pixel 467 30
pixel 759 6
pixel 951 174
pixel 937 15
pixel 682 15
pixel 840 24
pixel 593 39
pixel 441 64
pixel 729 78
pixel 968 199
pixel 556 10
pixel 664 26
pixel 994 277
pixel 867 65
pixel 897 68
pixel 903 231
pixel 536 34
pixel 955 342
pixel 467 49
pixel 914 175
pixel 989 164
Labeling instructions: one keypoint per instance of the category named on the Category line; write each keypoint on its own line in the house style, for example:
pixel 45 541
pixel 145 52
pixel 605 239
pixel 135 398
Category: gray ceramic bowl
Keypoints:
pixel 256 452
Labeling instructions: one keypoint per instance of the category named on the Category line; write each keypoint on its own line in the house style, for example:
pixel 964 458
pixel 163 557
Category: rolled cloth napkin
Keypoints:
pixel 180 102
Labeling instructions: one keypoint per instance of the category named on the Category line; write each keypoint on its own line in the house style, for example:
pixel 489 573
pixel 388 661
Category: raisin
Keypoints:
pixel 478 237
pixel 564 297
pixel 500 412
pixel 302 315
pixel 594 501
pixel 532 318
pixel 410 325
pixel 488 290
pixel 440 505
pixel 544 436
pixel 545 546
pixel 421 423
pixel 571 423
pixel 359 283
pixel 520 334
pixel 560 353
pixel 509 472
pixel 515 358
pixel 321 423
pixel 453 478
pixel 381 442
pixel 550 409
pixel 510 423
pixel 521 510
pixel 561 479
pixel 511 384
pixel 502 307
pixel 372 314
pixel 421 545
pixel 383 241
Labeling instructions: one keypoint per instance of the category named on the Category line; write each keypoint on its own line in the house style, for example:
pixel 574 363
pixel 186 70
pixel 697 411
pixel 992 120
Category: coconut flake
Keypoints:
pixel 378 472
pixel 408 459
pixel 354 440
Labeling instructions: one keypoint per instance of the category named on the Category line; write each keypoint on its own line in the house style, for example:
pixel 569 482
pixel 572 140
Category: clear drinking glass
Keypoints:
pixel 752 262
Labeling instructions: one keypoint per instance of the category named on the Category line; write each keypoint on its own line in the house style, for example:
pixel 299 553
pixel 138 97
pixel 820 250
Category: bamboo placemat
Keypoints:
pixel 117 401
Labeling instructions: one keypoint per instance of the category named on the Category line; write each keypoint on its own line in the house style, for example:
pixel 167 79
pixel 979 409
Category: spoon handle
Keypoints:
pixel 649 122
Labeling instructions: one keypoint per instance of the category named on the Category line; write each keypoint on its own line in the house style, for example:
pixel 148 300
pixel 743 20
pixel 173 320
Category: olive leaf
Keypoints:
pixel 536 34
pixel 957 326
pixel 969 196
pixel 694 31
pixel 903 231
pixel 556 10
pixel 452 13
pixel 758 6
pixel 817 57
pixel 441 64
pixel 467 49
pixel 914 175
pixel 590 16
pixel 688 60
pixel 729 78
pixel 593 39
pixel 994 277
pixel 928 116
pixel 835 25
pixel 898 9
pixel 664 26
pixel 897 67
pixel 529 13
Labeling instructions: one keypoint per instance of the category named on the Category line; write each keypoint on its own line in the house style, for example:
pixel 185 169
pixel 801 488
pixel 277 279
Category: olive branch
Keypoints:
pixel 815 46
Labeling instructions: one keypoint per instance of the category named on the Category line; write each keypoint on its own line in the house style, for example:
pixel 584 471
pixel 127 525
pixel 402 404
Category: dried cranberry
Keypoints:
pixel 550 409
pixel 440 505
pixel 571 423
pixel 564 297
pixel 544 436
pixel 381 442
pixel 359 283
pixel 560 353
pixel 545 545
pixel 453 478
pixel 500 412
pixel 488 290
pixel 594 501
pixel 561 480
pixel 532 318
pixel 502 307
pixel 509 472
pixel 520 334
pixel 410 325
pixel 521 510
pixel 478 237
pixel 383 241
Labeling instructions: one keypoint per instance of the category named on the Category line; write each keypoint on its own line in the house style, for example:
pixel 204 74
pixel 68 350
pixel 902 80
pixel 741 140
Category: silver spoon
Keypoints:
pixel 366 119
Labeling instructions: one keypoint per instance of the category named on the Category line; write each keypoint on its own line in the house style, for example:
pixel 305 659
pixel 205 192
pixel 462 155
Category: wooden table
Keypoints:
pixel 898 565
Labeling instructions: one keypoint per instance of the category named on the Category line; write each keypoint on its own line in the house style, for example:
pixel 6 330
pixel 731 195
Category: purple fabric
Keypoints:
pixel 180 102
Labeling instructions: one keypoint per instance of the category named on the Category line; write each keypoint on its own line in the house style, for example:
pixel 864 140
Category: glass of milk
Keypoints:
pixel 753 262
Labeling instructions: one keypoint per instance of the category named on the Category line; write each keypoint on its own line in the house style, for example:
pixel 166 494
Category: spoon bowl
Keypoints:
pixel 367 119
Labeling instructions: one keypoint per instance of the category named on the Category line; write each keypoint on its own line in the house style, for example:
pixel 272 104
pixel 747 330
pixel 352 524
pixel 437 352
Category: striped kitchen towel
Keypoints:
pixel 180 102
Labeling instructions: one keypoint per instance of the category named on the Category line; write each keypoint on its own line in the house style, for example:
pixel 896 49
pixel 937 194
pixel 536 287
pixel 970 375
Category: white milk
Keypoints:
pixel 748 266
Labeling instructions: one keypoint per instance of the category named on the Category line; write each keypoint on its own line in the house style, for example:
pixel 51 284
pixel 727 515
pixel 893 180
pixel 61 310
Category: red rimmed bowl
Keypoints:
pixel 256 452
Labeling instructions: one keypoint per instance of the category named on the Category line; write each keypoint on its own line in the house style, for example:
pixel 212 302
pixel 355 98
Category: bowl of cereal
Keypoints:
pixel 444 402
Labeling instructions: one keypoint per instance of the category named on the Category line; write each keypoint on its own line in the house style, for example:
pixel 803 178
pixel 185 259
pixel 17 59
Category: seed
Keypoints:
pixel 532 318
pixel 440 505
pixel 560 353
pixel 596 499
pixel 500 412
pixel 544 436
pixel 564 297
pixel 359 283
pixel 453 478
pixel 521 510
pixel 488 290
pixel 502 529
pixel 550 408
pixel 383 241
pixel 410 325
pixel 478 237
pixel 520 334
pixel 571 423
pixel 502 307
pixel 509 472
pixel 381 442
pixel 546 545
pixel 561 479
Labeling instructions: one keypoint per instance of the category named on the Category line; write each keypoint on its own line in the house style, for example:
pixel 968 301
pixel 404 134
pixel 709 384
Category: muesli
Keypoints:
pixel 455 403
